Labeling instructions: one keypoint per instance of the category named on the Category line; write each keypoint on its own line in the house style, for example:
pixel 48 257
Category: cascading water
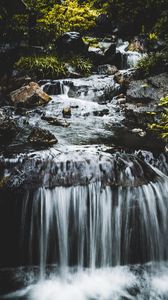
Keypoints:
pixel 129 58
pixel 91 224
pixel 86 234
pixel 94 226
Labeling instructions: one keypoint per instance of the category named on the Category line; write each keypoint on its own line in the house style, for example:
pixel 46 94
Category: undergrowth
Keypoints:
pixel 51 67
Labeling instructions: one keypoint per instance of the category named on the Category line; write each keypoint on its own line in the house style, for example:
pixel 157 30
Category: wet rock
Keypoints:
pixel 55 88
pixel 29 96
pixel 101 113
pixel 96 57
pixel 55 121
pixel 77 167
pixel 42 137
pixel 96 50
pixel 111 50
pixel 138 116
pixel 136 45
pixel 97 88
pixel 66 112
pixel 107 69
pixel 148 90
pixel 123 80
pixel 8 128
pixel 139 131
pixel 71 43
pixel 121 100
pixel 115 59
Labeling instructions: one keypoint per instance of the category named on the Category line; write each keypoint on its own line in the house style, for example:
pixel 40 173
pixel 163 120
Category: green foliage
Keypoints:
pixel 42 67
pixel 136 15
pixel 92 42
pixel 161 126
pixel 161 26
pixel 69 16
pixel 51 67
pixel 81 65
pixel 152 63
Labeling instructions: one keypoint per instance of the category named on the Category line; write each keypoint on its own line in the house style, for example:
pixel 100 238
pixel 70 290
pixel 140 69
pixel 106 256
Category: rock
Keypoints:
pixel 41 137
pixel 66 112
pixel 96 58
pixel 54 121
pixel 101 113
pixel 123 81
pixel 139 131
pixel 121 100
pixel 136 45
pixel 148 90
pixel 138 116
pixel 71 43
pixel 29 96
pixel 111 50
pixel 55 88
pixel 96 50
pixel 107 69
pixel 8 128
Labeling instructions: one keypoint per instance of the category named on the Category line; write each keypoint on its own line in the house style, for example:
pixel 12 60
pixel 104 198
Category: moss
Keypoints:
pixel 52 67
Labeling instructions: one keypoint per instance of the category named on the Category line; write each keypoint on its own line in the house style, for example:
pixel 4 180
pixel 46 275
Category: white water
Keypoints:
pixel 129 58
pixel 94 226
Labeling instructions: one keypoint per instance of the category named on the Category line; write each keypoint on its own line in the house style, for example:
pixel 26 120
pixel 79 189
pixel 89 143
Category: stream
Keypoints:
pixel 87 218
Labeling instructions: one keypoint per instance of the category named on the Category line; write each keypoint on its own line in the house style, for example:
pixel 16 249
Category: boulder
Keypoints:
pixel 29 96
pixel 123 80
pixel 111 50
pixel 8 128
pixel 96 57
pixel 101 113
pixel 107 69
pixel 66 112
pixel 41 137
pixel 55 121
pixel 113 59
pixel 138 116
pixel 136 45
pixel 71 43
pixel 148 90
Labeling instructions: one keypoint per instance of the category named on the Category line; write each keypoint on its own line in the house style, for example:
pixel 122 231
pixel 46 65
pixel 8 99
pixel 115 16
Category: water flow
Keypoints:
pixel 129 58
pixel 94 226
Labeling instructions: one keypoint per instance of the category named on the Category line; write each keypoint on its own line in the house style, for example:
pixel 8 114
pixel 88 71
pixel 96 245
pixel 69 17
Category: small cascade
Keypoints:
pixel 129 58
pixel 96 88
pixel 57 87
pixel 94 226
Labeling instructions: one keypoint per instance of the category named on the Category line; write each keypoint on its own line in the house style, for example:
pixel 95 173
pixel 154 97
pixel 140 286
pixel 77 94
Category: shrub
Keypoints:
pixel 153 63
pixel 52 67
pixel 81 65
pixel 161 126
pixel 69 16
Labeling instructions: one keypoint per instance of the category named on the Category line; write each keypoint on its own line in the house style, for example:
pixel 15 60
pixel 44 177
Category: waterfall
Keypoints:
pixel 129 58
pixel 94 226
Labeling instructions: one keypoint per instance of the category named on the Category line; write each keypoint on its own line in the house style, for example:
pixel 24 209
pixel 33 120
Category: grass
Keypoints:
pixel 51 67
